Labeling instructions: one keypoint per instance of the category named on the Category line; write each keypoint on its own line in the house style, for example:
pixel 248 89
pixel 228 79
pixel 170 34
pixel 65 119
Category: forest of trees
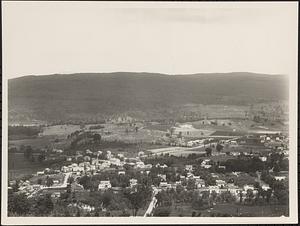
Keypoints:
pixel 276 161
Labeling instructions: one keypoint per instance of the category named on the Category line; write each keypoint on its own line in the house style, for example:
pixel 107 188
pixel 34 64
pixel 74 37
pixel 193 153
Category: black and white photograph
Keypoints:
pixel 149 112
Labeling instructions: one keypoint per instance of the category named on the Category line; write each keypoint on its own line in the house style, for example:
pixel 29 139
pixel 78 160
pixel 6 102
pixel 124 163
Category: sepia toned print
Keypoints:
pixel 153 112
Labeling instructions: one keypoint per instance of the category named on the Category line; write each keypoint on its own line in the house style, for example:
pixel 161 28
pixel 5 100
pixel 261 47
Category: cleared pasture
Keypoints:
pixel 39 142
pixel 231 210
pixel 59 130
pixel 19 166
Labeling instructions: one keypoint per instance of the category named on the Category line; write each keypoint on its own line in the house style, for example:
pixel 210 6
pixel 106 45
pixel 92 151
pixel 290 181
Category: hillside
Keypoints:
pixel 54 97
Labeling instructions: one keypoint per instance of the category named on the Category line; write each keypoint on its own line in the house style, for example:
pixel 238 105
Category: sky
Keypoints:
pixel 174 38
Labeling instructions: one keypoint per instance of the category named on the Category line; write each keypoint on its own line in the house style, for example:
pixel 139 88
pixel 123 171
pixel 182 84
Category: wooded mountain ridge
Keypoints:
pixel 66 95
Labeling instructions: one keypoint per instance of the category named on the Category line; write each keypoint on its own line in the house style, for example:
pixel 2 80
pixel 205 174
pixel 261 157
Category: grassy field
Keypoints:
pixel 19 166
pixel 118 133
pixel 62 130
pixel 186 210
pixel 160 127
pixel 245 148
pixel 250 211
pixel 59 177
pixel 218 158
pixel 39 142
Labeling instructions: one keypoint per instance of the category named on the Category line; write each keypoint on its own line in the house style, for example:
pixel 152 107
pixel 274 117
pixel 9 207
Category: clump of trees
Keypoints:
pixel 49 181
pixel 97 138
pixel 219 147
pixel 278 162
pixel 208 151
pixel 244 165
pixel 161 212
pixel 96 127
pixel 174 160
pixel 280 189
pixel 18 204
pixel 43 205
pixel 138 198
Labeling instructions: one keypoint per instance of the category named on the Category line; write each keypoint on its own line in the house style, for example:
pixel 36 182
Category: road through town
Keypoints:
pixel 152 203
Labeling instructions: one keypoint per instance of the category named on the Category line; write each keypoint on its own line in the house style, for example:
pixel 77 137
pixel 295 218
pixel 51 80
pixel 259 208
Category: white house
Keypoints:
pixel 185 130
pixel 88 151
pixel 108 154
pixel 279 178
pixel 94 161
pixel 104 185
pixel 115 161
pixel 69 159
pixel 40 173
pixel 200 183
pixel 55 195
pixel 162 176
pixel 205 161
pixel 57 150
pixel 121 173
pixel 140 164
pixel 247 187
pixel 189 167
pixel 133 182
pixel 220 183
pixel 120 155
pixel 105 164
pixel 182 177
pixel 161 166
pixel 214 188
pixel 263 158
pixel 207 166
pixel 165 185
pixel 265 187
pixel 190 175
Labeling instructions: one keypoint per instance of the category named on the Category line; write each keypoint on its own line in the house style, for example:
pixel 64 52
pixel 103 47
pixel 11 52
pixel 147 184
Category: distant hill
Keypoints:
pixel 63 96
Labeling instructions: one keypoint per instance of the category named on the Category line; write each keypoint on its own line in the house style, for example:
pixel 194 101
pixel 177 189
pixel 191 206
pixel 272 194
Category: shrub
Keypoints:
pixel 162 212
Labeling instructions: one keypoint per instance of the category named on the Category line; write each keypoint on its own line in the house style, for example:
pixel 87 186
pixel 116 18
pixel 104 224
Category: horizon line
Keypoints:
pixel 145 72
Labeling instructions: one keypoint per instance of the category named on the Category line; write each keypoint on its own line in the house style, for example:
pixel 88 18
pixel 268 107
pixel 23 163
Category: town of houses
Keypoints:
pixel 93 165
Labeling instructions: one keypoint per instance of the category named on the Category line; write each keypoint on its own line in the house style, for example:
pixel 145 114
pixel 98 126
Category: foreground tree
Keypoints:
pixel 49 181
pixel 44 205
pixel 39 181
pixel 219 147
pixel 97 138
pixel 106 199
pixel 162 212
pixel 208 151
pixel 138 198
pixel 27 152
pixel 41 157
pixel 15 186
pixel 18 204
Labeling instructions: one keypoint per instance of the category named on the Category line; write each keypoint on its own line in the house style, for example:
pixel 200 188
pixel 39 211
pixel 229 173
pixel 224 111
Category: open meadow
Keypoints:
pixel 231 210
